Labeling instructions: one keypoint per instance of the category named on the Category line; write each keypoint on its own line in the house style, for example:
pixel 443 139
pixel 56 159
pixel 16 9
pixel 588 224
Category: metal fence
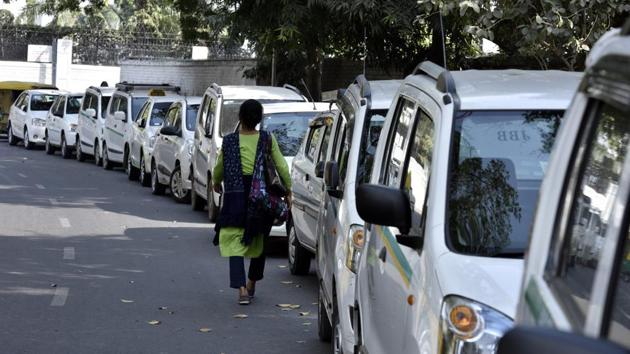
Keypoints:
pixel 108 47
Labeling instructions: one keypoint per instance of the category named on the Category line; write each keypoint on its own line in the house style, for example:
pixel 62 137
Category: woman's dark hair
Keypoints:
pixel 250 114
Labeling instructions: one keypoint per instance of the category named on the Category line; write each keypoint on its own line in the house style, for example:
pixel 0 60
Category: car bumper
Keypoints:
pixel 71 139
pixel 37 134
pixel 345 288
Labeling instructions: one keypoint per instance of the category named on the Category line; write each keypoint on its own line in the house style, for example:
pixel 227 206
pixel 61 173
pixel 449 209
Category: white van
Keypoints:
pixel 589 173
pixel 91 124
pixel 122 111
pixel 339 232
pixel 454 186
pixel 218 115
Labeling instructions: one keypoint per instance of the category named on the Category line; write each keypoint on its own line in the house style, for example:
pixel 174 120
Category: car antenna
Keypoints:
pixel 309 94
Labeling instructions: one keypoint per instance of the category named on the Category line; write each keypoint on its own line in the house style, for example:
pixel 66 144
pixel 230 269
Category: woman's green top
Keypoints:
pixel 230 237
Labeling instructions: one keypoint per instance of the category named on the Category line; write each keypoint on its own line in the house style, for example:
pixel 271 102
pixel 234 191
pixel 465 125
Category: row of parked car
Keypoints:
pixel 418 199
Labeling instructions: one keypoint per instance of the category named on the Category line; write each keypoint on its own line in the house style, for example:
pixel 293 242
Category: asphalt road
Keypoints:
pixel 88 259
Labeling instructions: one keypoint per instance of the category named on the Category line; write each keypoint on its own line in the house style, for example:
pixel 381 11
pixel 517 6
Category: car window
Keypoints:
pixel 203 114
pixel 171 117
pixel 136 104
pixel 418 170
pixel 20 101
pixel 87 100
pixel 371 132
pixel 590 210
pixel 104 104
pixel 191 115
pixel 113 107
pixel 143 115
pixel 397 142
pixel 619 326
pixel 344 151
pixel 59 106
pixel 42 102
pixel 289 129
pixel 212 108
pixel 311 148
pixel 73 105
pixel 123 105
pixel 158 113
pixel 178 117
pixel 324 147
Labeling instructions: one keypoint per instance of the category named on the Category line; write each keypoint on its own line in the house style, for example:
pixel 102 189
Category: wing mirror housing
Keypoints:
pixel 331 179
pixel 169 131
pixel 319 169
pixel 120 115
pixel 381 205
pixel 90 112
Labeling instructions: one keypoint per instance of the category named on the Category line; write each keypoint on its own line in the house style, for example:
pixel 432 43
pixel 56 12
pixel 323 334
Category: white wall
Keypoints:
pixel 23 71
pixel 82 76
pixel 192 76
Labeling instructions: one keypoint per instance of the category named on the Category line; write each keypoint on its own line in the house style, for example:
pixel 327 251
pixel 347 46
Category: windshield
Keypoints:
pixel 136 106
pixel 158 113
pixel 42 102
pixel 229 114
pixel 288 128
pixel 191 116
pixel 74 105
pixel 372 127
pixel 104 103
pixel 497 164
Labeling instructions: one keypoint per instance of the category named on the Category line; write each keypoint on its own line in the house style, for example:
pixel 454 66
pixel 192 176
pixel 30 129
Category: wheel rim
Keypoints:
pixel 292 246
pixel 63 146
pixel 128 164
pixel 27 140
pixel 337 339
pixel 142 171
pixel 176 185
pixel 153 179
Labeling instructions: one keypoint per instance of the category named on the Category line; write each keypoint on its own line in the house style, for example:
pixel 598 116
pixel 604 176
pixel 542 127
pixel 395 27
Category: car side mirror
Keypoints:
pixel 331 179
pixel 381 205
pixel 522 340
pixel 319 169
pixel 90 112
pixel 120 115
pixel 169 131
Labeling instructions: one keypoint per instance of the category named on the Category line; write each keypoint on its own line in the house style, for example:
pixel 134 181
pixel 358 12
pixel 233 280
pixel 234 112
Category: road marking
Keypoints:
pixel 53 201
pixel 22 175
pixel 39 186
pixel 60 296
pixel 68 253
pixel 64 222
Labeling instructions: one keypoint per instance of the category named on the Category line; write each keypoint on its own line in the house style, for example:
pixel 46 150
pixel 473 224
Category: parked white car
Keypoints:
pixel 339 232
pixel 219 116
pixel 170 160
pixel 307 186
pixel 61 124
pixel 450 204
pixel 91 125
pixel 590 165
pixel 27 119
pixel 143 135
pixel 121 113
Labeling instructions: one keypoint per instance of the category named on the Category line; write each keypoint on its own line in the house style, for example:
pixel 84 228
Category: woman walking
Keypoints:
pixel 241 230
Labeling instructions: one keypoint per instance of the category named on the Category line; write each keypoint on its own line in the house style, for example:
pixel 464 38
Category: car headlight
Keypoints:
pixel 470 327
pixel 36 122
pixel 73 128
pixel 152 141
pixel 356 241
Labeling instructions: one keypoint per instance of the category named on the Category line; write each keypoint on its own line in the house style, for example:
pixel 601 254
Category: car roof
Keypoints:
pixel 45 92
pixel 509 89
pixel 382 92
pixel 260 92
pixel 270 108
pixel 170 98
pixel 189 100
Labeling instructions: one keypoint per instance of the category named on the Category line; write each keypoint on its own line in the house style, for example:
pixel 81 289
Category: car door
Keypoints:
pixel 18 117
pixel 139 132
pixel 203 140
pixel 118 138
pixel 86 130
pixel 167 143
pixel 385 268
pixel 58 114
pixel 111 124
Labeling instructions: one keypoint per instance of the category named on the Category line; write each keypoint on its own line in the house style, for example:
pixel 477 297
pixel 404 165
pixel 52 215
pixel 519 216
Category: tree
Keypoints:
pixel 6 17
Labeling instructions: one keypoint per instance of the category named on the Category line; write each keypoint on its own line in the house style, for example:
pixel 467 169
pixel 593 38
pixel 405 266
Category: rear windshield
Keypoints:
pixel 158 113
pixel 229 113
pixel 497 165
pixel 74 105
pixel 191 116
pixel 136 105
pixel 289 129
pixel 41 102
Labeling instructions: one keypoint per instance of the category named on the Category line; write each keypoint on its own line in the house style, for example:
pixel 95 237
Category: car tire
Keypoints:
pixel 132 172
pixel 77 149
pixel 48 148
pixel 213 209
pixel 299 257
pixel 27 140
pixel 97 154
pixel 66 153
pixel 196 201
pixel 157 188
pixel 144 178
pixel 179 194
pixel 324 328
pixel 106 163
pixel 13 140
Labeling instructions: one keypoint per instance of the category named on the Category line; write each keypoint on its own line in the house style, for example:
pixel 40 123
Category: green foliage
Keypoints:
pixel 6 17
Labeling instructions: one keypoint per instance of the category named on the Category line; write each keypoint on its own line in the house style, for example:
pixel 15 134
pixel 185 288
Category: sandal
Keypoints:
pixel 243 300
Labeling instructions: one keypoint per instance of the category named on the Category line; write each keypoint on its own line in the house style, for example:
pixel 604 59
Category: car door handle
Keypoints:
pixel 307 177
pixel 382 255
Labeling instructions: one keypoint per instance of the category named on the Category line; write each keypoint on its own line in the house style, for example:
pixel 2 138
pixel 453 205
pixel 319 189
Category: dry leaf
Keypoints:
pixel 53 285
pixel 205 330
pixel 287 309
pixel 306 313
pixel 300 341
pixel 162 308
pixel 295 306
pixel 298 286
pixel 286 282
pixel 241 316
pixel 282 266
pixel 306 324
pixel 131 282
pixel 154 322
pixel 284 306
pixel 126 301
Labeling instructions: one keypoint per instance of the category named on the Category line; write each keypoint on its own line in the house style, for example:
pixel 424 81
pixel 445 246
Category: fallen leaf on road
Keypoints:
pixel 240 316
pixel 154 322
pixel 284 306
pixel 287 309
pixel 295 306
pixel 131 282
pixel 286 282
pixel 298 286
pixel 306 324
pixel 53 285
pixel 126 301
pixel 205 330
pixel 171 312
pixel 282 266
pixel 306 313
pixel 162 308
pixel 300 341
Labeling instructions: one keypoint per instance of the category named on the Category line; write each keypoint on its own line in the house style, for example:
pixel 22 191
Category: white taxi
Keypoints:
pixel 27 119
pixel 61 124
